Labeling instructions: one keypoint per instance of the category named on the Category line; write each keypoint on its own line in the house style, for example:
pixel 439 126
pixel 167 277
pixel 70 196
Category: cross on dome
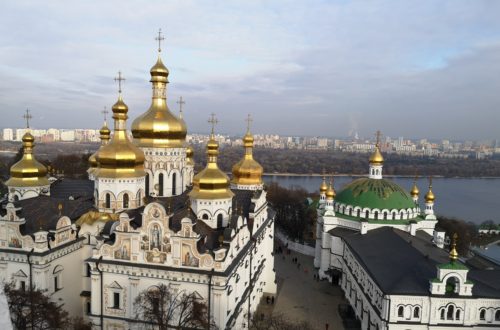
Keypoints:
pixel 213 121
pixel 27 116
pixel 378 134
pixel 181 102
pixel 119 79
pixel 104 113
pixel 249 120
pixel 160 38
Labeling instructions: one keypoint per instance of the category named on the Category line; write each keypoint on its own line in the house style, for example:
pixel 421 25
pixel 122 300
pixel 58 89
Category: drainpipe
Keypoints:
pixel 252 239
pixel 209 295
pixel 100 274
pixel 31 286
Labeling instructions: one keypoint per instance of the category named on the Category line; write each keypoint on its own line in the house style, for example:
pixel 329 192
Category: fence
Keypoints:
pixel 295 246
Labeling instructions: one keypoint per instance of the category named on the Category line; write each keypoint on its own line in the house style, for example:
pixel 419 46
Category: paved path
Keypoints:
pixel 301 297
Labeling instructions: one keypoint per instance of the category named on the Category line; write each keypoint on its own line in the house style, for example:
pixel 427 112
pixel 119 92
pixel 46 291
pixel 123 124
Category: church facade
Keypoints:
pixel 143 218
pixel 385 253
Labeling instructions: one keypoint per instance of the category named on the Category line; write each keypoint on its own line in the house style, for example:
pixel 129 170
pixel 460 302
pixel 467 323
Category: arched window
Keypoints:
pixel 442 314
pixel 376 214
pixel 174 184
pixel 497 315
pixel 359 213
pixel 451 285
pixel 457 315
pixel 416 312
pixel 367 213
pixel 385 215
pixel 125 201
pixel 219 220
pixel 401 311
pixel 160 184
pixel 204 216
pixel 108 201
pixel 147 184
pixel 482 314
pixel 450 312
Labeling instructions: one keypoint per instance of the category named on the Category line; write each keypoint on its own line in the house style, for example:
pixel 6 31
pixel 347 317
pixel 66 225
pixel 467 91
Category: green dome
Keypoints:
pixel 375 194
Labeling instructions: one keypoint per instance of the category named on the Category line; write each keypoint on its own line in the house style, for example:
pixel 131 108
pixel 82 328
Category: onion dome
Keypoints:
pixel 105 135
pixel 189 156
pixel 247 171
pixel 28 172
pixel 330 193
pixel 211 182
pixel 376 157
pixel 120 158
pixel 158 126
pixel 429 197
pixel 323 187
pixel 375 194
pixel 414 190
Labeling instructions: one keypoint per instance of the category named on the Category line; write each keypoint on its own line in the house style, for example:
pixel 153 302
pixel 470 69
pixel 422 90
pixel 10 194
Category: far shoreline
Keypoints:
pixel 386 175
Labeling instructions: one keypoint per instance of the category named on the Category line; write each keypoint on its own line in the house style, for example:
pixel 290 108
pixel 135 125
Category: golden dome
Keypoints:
pixel 429 197
pixel 158 126
pixel 376 157
pixel 414 190
pixel 189 155
pixel 120 158
pixel 28 172
pixel 323 187
pixel 105 136
pixel 453 250
pixel 211 182
pixel 330 193
pixel 247 171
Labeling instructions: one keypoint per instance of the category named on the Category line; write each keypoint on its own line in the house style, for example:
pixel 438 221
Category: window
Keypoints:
pixel 87 270
pixel 219 220
pixel 174 183
pixel 442 314
pixel 367 213
pixel 57 273
pixel 451 285
pixel 88 307
pixel 116 300
pixel 23 285
pixel 160 184
pixel 147 184
pixel 56 283
pixel 416 312
pixel 497 315
pixel 125 201
pixel 108 201
pixel 400 311
pixel 450 312
pixel 205 216
pixel 482 314
pixel 457 315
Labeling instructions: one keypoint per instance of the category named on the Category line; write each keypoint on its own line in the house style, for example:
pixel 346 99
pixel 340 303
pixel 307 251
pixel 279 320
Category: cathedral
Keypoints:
pixel 143 218
pixel 388 257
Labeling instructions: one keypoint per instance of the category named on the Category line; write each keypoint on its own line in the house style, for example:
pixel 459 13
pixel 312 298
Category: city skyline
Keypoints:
pixel 334 67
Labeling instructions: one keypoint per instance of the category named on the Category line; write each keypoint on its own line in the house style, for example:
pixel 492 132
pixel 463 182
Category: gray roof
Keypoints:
pixel 403 264
pixel 342 232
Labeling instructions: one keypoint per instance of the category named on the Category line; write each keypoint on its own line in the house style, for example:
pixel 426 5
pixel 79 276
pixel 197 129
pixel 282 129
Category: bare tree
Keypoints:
pixel 35 310
pixel 162 308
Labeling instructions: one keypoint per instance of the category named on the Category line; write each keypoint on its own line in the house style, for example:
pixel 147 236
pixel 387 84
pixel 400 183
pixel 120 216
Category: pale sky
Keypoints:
pixel 420 68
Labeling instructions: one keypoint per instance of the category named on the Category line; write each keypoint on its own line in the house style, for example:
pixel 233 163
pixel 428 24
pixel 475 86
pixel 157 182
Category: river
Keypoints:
pixel 473 199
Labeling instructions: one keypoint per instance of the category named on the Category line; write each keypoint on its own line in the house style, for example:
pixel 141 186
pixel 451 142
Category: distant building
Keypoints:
pixel 8 134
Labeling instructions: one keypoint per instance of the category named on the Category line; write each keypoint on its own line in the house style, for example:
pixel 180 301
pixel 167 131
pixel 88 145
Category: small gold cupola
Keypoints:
pixel 211 182
pixel 323 187
pixel 453 249
pixel 189 156
pixel 105 136
pixel 247 172
pixel 158 126
pixel 28 172
pixel 330 193
pixel 120 158
pixel 429 197
pixel 376 157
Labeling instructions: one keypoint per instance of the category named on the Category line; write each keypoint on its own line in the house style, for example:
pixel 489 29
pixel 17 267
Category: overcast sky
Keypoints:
pixel 422 68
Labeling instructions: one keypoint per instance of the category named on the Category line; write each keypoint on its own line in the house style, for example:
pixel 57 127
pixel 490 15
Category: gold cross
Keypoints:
pixel 119 79
pixel 104 112
pixel 181 102
pixel 430 181
pixel 160 38
pixel 27 116
pixel 249 120
pixel 212 120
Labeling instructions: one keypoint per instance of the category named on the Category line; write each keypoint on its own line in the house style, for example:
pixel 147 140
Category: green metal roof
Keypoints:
pixel 375 193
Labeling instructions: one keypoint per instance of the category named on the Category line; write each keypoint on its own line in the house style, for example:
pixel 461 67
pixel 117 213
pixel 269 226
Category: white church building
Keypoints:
pixel 142 218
